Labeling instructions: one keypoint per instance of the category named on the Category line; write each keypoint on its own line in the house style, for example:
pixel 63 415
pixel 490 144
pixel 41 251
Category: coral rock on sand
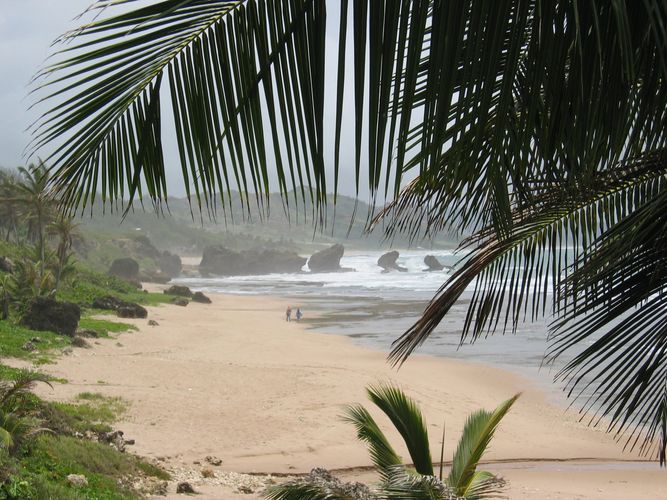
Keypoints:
pixel 48 314
pixel 180 301
pixel 125 268
pixel 433 263
pixel 152 322
pixel 388 262
pixel 179 290
pixel 130 310
pixel 201 298
pixel 327 260
pixel 185 487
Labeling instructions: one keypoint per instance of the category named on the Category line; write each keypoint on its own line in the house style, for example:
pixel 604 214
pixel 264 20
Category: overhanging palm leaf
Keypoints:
pixel 503 110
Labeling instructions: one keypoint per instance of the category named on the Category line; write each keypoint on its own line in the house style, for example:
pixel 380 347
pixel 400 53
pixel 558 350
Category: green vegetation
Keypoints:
pixel 40 445
pixel 13 338
pixel 103 327
pixel 420 481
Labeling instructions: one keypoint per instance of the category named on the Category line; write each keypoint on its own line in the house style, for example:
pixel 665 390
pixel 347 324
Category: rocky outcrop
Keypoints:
pixel 51 315
pixel 170 264
pixel 388 262
pixel 123 309
pixel 131 310
pixel 125 268
pixel 201 298
pixel 433 263
pixel 220 261
pixel 179 290
pixel 327 260
pixel 6 265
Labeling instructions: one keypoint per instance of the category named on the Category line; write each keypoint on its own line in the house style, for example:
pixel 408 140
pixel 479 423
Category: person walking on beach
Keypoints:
pixel 288 314
pixel 298 314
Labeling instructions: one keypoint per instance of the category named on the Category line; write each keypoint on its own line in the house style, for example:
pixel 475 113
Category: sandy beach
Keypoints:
pixel 234 380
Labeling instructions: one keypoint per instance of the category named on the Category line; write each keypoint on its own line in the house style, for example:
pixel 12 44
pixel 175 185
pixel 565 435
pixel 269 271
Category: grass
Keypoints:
pixel 92 412
pixel 13 337
pixel 43 472
pixel 104 327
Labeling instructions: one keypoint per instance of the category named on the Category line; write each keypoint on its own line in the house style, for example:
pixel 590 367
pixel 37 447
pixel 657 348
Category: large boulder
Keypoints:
pixel 179 290
pixel 388 262
pixel 170 264
pixel 327 260
pixel 433 263
pixel 122 308
pixel 51 315
pixel 125 268
pixel 201 298
pixel 220 261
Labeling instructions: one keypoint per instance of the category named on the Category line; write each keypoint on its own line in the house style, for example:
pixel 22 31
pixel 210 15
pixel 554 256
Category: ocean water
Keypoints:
pixel 375 308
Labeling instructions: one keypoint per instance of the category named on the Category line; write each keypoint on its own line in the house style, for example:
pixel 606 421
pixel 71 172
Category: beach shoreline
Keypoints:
pixel 234 380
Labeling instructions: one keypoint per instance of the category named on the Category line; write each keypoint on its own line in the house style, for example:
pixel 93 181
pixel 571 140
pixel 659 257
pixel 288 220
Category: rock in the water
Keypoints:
pixel 77 480
pixel 130 310
pixel 170 264
pixel 48 314
pixel 433 263
pixel 180 301
pixel 201 298
pixel 388 262
pixel 220 261
pixel 126 268
pixel 179 290
pixel 327 260
pixel 185 487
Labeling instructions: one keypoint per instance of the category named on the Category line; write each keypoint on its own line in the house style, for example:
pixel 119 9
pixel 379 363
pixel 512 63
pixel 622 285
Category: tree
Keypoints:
pixel 9 206
pixel 65 229
pixel 397 480
pixel 538 127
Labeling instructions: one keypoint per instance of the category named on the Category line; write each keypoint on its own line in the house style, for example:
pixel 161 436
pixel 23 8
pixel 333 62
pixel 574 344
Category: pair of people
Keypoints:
pixel 288 314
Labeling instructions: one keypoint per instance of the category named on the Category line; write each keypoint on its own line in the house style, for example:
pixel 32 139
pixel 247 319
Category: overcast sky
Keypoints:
pixel 27 29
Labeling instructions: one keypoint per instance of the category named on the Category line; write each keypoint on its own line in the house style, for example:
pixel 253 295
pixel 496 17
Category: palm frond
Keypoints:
pixel 300 491
pixel 517 276
pixel 477 434
pixel 409 422
pixel 382 454
pixel 403 485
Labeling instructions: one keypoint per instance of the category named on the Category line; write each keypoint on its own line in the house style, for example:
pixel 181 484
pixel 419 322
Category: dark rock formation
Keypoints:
pixel 388 262
pixel 154 277
pixel 144 247
pixel 108 303
pixel 327 260
pixel 123 309
pixel 6 265
pixel 179 290
pixel 201 298
pixel 125 268
pixel 49 314
pixel 185 487
pixel 180 301
pixel 130 310
pixel 433 263
pixel 220 261
pixel 170 264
